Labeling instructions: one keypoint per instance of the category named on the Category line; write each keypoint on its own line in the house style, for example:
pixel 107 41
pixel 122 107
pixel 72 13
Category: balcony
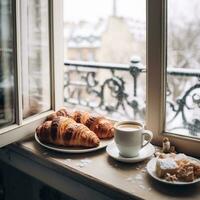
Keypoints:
pixel 118 91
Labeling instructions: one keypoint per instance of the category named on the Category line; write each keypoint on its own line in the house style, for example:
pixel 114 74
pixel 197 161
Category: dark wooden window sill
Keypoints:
pixel 100 178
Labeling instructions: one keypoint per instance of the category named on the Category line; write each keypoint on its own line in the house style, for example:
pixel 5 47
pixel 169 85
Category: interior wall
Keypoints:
pixel 15 185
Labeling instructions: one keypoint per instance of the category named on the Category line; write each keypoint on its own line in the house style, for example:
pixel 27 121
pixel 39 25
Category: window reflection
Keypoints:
pixel 35 57
pixel 7 92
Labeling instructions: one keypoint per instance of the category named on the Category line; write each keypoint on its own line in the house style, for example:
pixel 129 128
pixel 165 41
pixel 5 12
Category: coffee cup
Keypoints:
pixel 130 137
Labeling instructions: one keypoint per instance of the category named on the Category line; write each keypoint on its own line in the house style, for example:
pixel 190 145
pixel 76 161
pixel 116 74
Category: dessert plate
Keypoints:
pixel 103 144
pixel 144 153
pixel 151 166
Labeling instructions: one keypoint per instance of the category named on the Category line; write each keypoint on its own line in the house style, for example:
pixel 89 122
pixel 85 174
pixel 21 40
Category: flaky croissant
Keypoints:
pixel 100 125
pixel 65 131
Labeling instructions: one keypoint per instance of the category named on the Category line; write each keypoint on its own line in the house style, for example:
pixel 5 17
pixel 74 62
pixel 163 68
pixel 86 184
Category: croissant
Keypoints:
pixel 100 125
pixel 62 112
pixel 64 131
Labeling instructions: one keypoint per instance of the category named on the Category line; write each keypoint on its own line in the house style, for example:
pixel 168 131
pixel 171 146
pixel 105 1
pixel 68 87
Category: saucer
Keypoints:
pixel 144 153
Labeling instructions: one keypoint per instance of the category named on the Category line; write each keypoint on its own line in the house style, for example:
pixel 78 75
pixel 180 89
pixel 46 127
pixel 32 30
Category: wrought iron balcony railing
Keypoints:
pixel 118 91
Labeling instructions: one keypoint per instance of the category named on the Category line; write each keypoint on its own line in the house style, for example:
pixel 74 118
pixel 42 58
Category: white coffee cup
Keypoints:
pixel 130 137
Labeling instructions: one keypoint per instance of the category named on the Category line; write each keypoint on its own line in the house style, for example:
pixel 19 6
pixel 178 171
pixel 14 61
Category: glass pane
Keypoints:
pixel 106 31
pixel 183 77
pixel 35 57
pixel 7 68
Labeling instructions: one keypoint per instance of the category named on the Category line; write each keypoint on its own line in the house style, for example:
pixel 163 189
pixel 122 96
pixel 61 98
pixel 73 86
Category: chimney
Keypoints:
pixel 114 8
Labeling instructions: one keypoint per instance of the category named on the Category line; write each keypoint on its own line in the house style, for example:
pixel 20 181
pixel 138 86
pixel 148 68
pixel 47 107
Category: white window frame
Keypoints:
pixel 27 126
pixel 156 79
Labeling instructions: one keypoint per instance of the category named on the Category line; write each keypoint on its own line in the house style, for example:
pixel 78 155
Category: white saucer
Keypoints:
pixel 144 153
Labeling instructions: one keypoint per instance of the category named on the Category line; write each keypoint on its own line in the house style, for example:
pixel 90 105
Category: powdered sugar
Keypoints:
pixel 84 162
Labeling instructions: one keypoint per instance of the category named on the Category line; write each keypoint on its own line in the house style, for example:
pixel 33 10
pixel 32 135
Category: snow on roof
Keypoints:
pixel 88 35
pixel 84 44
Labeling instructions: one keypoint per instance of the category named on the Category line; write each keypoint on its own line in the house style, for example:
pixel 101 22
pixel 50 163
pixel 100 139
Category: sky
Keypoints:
pixel 183 10
pixel 92 10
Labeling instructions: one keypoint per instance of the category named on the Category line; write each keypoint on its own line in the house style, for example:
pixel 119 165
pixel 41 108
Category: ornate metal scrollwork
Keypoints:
pixel 183 106
pixel 116 94
pixel 110 95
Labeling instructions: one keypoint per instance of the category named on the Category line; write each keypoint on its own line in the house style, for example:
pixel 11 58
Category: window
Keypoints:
pixel 183 64
pixel 158 77
pixel 35 75
pixel 36 59
pixel 83 80
pixel 29 57
pixel 7 64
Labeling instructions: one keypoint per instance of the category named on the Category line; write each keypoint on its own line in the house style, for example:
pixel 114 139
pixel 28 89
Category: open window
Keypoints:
pixel 31 65
pixel 153 88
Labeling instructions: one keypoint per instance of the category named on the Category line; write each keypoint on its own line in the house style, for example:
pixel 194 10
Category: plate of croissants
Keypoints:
pixel 74 132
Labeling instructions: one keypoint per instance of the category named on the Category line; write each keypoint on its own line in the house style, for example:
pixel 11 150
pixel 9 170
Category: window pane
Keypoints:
pixel 183 78
pixel 106 31
pixel 7 68
pixel 35 57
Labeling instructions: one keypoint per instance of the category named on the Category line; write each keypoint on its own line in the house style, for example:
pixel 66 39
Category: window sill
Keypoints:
pixel 102 178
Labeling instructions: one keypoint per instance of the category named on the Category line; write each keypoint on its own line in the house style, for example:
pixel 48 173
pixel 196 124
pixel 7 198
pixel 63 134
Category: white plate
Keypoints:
pixel 151 166
pixel 144 153
pixel 103 144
